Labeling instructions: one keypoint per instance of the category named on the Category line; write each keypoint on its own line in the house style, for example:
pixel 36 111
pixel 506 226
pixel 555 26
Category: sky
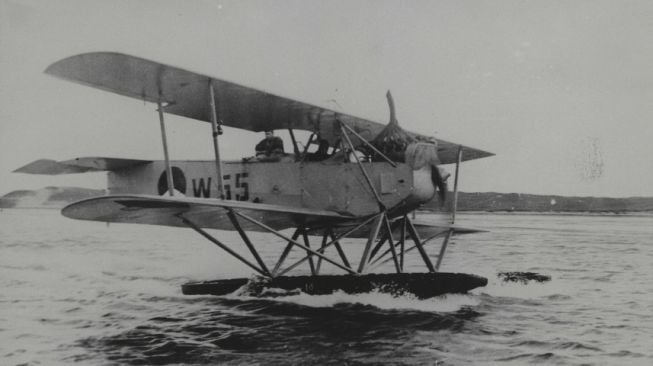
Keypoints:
pixel 560 91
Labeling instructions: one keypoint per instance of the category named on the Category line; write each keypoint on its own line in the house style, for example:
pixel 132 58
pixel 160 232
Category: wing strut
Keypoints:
pixel 171 187
pixel 369 145
pixel 216 133
pixel 294 142
pixel 358 162
pixel 453 210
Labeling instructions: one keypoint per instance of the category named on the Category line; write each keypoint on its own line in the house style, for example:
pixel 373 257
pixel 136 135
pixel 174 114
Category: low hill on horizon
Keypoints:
pixel 522 202
pixel 48 197
pixel 58 197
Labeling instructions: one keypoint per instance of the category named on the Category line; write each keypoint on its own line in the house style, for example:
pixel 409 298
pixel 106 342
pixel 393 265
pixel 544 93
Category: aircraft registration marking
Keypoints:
pixel 240 184
pixel 240 192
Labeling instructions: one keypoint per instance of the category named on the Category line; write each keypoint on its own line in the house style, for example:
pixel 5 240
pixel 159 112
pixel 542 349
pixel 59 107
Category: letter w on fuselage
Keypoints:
pixel 200 189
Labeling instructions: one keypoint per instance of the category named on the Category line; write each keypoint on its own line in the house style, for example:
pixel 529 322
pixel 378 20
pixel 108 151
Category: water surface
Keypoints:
pixel 97 294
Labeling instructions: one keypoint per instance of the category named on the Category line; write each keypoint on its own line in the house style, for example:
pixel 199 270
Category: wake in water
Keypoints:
pixel 380 300
pixel 289 328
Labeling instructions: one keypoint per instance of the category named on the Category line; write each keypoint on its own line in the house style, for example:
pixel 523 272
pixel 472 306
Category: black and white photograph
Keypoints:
pixel 286 182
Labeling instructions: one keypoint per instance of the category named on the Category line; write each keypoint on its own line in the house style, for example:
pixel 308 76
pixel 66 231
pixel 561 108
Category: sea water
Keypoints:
pixel 98 294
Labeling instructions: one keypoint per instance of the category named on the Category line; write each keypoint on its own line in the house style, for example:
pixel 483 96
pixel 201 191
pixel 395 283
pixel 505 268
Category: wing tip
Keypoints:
pixel 46 167
pixel 476 153
pixel 55 66
pixel 71 210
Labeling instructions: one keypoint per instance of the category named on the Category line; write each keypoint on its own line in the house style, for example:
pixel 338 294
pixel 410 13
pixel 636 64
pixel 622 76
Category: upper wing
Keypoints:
pixel 203 212
pixel 78 165
pixel 186 93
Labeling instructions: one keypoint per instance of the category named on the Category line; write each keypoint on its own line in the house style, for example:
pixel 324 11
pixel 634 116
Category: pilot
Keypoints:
pixel 270 148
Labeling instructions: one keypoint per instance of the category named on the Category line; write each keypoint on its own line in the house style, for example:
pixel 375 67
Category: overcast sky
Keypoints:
pixel 560 91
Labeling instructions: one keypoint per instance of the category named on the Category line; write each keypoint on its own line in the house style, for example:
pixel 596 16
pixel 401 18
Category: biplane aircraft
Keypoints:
pixel 354 178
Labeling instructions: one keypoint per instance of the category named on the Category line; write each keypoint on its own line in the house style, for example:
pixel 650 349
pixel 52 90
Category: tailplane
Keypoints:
pixel 78 165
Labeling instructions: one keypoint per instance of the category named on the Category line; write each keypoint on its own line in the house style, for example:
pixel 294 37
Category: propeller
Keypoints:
pixel 392 140
pixel 396 143
pixel 440 182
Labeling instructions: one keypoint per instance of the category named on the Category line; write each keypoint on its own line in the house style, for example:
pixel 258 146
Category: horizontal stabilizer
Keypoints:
pixel 78 165
pixel 466 230
pixel 203 212
pixel 427 230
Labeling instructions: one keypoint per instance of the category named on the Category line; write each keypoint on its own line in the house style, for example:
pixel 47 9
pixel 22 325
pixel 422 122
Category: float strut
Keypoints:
pixel 378 247
pixel 334 241
pixel 341 252
pixel 294 242
pixel 380 244
pixel 308 254
pixel 379 261
pixel 321 250
pixel 413 233
pixel 285 253
pixel 370 240
pixel 403 241
pixel 248 242
pixel 442 249
pixel 392 244
pixel 221 245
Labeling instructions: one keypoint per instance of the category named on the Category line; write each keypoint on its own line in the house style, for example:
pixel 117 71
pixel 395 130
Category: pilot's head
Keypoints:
pixel 269 134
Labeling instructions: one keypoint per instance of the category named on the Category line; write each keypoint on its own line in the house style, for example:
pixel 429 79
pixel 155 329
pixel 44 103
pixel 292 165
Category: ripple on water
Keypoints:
pixel 266 326
pixel 536 358
pixel 95 295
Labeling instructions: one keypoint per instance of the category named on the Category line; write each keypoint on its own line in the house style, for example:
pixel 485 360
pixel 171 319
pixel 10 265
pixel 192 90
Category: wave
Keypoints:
pixel 440 304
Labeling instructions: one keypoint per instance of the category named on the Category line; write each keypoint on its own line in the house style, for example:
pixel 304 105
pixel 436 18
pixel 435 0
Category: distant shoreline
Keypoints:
pixel 477 203
pixel 543 213
pixel 494 202
pixel 427 212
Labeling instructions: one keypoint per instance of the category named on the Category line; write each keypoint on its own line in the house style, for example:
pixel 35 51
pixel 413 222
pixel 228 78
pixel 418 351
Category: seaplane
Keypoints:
pixel 354 179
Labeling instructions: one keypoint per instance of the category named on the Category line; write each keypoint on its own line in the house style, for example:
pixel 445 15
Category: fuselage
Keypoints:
pixel 327 185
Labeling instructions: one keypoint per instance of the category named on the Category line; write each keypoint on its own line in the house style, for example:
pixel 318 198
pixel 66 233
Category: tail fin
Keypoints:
pixel 78 165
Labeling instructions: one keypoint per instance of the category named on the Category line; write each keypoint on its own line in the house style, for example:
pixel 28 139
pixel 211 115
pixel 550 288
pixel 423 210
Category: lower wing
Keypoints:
pixel 202 212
